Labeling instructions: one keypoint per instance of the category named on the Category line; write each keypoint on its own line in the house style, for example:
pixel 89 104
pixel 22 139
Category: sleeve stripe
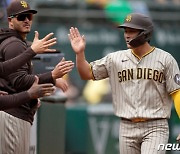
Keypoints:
pixel 93 77
pixel 174 91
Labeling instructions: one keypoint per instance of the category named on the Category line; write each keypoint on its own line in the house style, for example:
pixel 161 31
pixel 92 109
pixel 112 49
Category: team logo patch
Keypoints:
pixel 128 18
pixel 177 79
pixel 24 4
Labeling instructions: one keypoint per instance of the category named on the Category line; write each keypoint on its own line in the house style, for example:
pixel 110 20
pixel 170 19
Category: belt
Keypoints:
pixel 136 120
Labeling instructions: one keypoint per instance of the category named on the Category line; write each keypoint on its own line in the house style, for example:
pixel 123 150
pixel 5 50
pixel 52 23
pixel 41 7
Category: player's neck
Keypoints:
pixel 142 50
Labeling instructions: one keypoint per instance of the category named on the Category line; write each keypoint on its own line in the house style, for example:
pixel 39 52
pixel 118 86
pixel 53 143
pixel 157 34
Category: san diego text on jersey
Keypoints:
pixel 140 73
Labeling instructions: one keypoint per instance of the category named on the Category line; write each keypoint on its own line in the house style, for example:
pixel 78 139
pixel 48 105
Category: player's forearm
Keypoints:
pixel 13 64
pixel 12 101
pixel 176 98
pixel 83 67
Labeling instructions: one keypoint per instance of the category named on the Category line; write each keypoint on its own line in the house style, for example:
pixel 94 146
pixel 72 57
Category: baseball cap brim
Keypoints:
pixel 125 25
pixel 27 11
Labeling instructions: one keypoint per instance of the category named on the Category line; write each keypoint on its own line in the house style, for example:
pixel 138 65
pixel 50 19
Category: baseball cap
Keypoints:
pixel 19 6
pixel 137 21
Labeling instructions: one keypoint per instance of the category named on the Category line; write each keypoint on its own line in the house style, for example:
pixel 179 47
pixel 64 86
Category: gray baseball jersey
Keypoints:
pixel 140 87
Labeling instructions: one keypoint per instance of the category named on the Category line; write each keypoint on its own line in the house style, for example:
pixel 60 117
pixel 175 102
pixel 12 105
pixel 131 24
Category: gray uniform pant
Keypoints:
pixel 143 137
pixel 14 135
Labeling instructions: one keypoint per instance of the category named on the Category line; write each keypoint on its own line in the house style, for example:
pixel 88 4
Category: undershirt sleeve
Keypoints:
pixel 176 98
pixel 12 101
pixel 13 64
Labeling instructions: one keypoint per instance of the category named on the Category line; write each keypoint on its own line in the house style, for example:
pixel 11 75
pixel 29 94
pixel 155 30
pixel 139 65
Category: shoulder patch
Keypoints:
pixel 177 79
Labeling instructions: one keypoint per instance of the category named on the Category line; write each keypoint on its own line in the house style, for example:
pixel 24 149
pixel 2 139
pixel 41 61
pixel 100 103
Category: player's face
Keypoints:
pixel 21 23
pixel 129 34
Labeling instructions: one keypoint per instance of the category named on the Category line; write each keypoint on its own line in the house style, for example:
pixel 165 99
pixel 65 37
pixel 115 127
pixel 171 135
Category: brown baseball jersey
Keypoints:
pixel 140 87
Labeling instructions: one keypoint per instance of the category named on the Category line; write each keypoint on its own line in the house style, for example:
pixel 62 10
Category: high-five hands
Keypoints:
pixel 40 90
pixel 62 68
pixel 62 84
pixel 78 42
pixel 41 46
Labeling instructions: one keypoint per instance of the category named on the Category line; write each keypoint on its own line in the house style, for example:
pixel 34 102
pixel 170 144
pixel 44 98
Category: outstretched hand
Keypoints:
pixel 78 42
pixel 41 46
pixel 40 90
pixel 62 84
pixel 62 68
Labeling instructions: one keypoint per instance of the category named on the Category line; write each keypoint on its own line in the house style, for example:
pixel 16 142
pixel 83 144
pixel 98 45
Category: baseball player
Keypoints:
pixel 9 66
pixel 143 79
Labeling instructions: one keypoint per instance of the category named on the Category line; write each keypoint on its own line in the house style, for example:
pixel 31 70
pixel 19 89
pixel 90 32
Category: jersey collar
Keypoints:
pixel 143 55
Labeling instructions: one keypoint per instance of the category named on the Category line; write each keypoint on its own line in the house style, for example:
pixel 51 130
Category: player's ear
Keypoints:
pixel 10 22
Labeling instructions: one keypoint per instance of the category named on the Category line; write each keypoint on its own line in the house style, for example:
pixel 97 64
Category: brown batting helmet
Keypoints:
pixel 142 23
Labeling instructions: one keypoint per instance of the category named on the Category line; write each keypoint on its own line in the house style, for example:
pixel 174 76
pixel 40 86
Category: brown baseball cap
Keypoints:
pixel 19 6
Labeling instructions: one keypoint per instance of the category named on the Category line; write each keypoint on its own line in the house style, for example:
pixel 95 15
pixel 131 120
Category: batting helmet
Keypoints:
pixel 142 23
